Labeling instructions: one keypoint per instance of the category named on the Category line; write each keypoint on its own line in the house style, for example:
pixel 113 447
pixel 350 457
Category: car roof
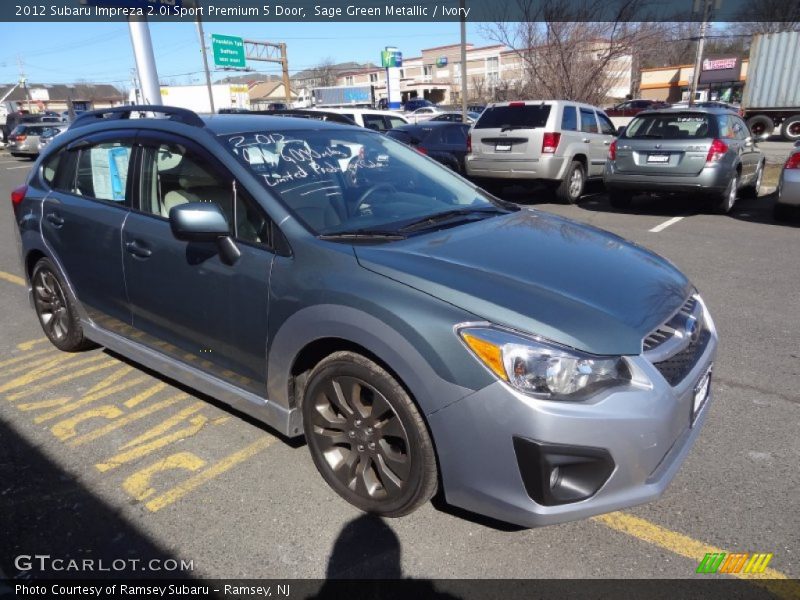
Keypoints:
pixel 429 125
pixel 711 110
pixel 237 123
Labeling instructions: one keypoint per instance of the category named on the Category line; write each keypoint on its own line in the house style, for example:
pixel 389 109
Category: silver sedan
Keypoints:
pixel 789 186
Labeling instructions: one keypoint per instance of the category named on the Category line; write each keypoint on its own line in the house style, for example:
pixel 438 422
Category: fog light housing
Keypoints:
pixel 556 474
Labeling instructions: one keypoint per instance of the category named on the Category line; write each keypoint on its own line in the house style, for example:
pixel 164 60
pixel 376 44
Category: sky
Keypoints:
pixel 101 52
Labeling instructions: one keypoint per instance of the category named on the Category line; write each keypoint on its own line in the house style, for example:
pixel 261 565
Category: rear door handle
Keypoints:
pixel 55 220
pixel 138 250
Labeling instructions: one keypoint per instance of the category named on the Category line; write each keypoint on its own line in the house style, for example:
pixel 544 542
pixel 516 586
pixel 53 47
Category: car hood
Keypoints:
pixel 534 272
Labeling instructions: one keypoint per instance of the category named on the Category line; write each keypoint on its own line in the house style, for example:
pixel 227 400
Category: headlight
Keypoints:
pixel 541 368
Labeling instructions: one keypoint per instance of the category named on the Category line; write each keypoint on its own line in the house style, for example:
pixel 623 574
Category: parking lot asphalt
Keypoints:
pixel 102 458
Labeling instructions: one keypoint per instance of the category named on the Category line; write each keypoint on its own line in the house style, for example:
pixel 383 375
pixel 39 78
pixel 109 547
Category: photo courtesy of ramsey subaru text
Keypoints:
pixel 337 284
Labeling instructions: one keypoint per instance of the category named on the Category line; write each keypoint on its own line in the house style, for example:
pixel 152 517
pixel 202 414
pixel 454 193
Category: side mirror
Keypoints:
pixel 797 144
pixel 198 222
pixel 204 222
pixel 621 130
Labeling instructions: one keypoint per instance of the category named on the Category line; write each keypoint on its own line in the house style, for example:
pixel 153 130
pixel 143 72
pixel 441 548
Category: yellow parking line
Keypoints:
pixel 16 359
pixel 41 370
pixel 195 481
pixel 63 379
pixel 12 278
pixel 104 392
pixel 31 343
pixel 677 543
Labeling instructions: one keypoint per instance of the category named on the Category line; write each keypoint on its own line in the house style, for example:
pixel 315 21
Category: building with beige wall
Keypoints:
pixel 436 74
pixel 671 84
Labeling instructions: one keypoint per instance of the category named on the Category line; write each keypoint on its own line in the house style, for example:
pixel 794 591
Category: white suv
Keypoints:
pixel 558 142
pixel 379 120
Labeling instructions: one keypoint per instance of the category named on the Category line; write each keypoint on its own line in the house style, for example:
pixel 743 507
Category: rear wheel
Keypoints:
pixel 751 191
pixel 571 187
pixel 760 126
pixel 619 199
pixel 724 203
pixel 790 130
pixel 367 437
pixel 57 314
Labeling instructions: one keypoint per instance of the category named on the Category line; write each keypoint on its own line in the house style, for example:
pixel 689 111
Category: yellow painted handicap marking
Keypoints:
pixel 23 357
pixel 138 484
pixel 206 475
pixel 41 371
pixel 31 343
pixel 127 419
pixel 105 392
pixel 148 393
pixel 65 378
pixel 65 429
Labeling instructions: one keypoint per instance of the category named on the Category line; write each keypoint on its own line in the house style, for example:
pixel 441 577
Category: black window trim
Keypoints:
pixel 157 138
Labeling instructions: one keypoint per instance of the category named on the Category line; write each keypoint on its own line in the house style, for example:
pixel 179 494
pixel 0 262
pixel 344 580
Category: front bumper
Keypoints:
pixel 646 432
pixel 490 167
pixel 710 179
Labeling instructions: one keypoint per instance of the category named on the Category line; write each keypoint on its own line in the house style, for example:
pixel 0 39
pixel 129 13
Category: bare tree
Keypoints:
pixel 577 51
pixel 767 16
pixel 478 88
pixel 324 74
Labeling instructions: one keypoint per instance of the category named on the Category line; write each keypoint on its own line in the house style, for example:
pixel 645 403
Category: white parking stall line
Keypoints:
pixel 22 167
pixel 665 224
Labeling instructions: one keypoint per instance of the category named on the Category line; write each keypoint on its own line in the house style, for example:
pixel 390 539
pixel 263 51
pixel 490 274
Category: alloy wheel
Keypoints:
pixel 51 305
pixel 361 437
pixel 576 183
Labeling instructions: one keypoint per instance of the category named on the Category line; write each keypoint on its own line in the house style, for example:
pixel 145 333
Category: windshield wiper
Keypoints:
pixel 441 217
pixel 512 127
pixel 363 234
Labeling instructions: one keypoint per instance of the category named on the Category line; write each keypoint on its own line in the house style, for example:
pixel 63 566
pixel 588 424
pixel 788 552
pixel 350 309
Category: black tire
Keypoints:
pixel 569 191
pixel 723 203
pixel 56 311
pixel 782 212
pixel 619 199
pixel 752 189
pixel 790 129
pixel 367 437
pixel 760 126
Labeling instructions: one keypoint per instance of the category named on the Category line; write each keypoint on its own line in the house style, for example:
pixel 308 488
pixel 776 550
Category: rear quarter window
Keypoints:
pixel 569 120
pixel 528 116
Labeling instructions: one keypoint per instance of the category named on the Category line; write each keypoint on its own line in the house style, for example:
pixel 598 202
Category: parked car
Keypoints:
pixel 476 108
pixel 705 151
pixel 455 116
pixel 445 141
pixel 379 120
pixel 559 143
pixel 629 108
pixel 49 133
pixel 420 333
pixel 15 118
pixel 236 110
pixel 24 140
pixel 709 104
pixel 64 116
pixel 415 103
pixel 788 200
pixel 422 114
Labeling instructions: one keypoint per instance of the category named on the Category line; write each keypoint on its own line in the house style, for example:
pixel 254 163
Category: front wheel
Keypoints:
pixel 57 314
pixel 790 129
pixel 367 437
pixel 753 189
pixel 570 189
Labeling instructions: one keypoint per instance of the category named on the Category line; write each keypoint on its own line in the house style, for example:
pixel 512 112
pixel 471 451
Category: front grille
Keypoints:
pixel 677 367
pixel 667 330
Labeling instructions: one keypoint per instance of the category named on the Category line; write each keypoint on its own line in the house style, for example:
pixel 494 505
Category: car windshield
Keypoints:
pixel 349 181
pixel 670 126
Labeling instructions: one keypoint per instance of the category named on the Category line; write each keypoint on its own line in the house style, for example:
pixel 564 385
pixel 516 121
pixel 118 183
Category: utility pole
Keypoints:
pixel 285 69
pixel 701 44
pixel 145 60
pixel 23 81
pixel 205 58
pixel 463 61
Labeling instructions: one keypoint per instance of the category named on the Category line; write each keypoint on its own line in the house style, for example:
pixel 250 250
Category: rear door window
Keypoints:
pixel 395 122
pixel 527 116
pixel 670 127
pixel 375 122
pixel 569 120
pixel 588 121
pixel 606 126
pixel 102 172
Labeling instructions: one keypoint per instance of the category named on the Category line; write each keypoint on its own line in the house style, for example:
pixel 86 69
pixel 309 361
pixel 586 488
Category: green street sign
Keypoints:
pixel 228 51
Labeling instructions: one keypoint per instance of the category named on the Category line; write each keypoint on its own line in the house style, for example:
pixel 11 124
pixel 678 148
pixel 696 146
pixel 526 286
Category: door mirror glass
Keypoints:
pixel 198 222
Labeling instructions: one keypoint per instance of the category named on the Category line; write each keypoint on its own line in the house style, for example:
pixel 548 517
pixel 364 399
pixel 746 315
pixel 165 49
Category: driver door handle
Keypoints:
pixel 55 219
pixel 138 250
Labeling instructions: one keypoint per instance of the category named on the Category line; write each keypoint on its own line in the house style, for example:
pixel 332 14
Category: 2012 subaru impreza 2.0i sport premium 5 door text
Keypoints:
pixel 419 332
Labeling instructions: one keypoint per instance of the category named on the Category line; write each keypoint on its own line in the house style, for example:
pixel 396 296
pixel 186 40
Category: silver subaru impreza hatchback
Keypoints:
pixel 421 333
